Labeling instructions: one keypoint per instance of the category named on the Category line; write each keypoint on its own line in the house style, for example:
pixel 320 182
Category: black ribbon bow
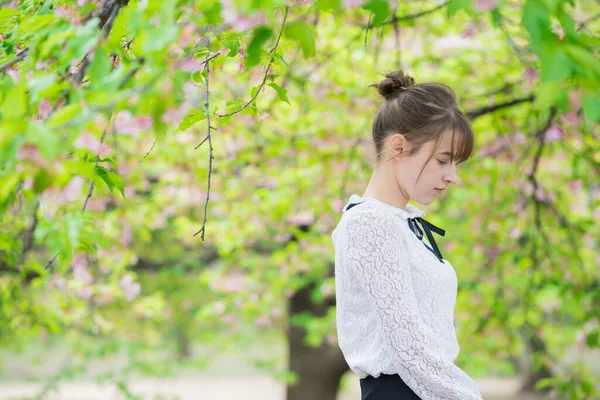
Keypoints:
pixel 413 224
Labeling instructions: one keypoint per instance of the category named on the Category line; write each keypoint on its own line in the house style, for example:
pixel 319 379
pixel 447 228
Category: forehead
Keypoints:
pixel 445 142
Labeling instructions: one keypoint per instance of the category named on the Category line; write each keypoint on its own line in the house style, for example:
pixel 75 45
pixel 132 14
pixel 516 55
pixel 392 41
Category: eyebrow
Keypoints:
pixel 446 153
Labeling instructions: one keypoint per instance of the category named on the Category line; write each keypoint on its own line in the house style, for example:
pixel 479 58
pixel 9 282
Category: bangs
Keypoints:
pixel 462 140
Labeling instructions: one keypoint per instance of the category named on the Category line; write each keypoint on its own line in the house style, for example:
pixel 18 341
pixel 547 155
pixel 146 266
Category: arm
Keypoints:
pixel 377 256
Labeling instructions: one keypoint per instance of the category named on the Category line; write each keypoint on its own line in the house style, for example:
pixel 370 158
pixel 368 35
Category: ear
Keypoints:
pixel 398 145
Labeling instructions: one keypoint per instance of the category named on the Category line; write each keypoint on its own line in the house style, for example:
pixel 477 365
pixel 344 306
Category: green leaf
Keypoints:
pixel 496 18
pixel 190 120
pixel 64 114
pixel 15 103
pixel 588 64
pixel 456 5
pixel 380 9
pixel 99 67
pixel 537 22
pixel 261 35
pixel 8 13
pixel 591 107
pixel 302 33
pixel 281 92
pixel 335 5
pixel 554 63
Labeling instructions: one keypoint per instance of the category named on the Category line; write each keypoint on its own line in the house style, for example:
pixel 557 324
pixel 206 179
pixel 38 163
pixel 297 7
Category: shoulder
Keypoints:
pixel 373 221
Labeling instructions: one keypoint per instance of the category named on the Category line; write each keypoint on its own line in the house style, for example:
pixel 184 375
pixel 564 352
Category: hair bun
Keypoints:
pixel 394 83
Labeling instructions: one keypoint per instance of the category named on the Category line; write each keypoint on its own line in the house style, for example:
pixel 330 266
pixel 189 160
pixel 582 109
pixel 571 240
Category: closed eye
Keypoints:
pixel 442 162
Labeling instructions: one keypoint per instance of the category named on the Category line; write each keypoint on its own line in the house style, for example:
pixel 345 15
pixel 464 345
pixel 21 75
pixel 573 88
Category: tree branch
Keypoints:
pixel 107 14
pixel 488 109
pixel 396 18
pixel 21 54
pixel 266 72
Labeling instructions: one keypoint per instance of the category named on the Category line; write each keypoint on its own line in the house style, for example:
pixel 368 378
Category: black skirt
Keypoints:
pixel 386 387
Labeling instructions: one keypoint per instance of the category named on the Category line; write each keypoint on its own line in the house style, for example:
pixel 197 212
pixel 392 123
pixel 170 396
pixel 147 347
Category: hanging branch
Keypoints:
pixel 266 72
pixel 91 189
pixel 211 157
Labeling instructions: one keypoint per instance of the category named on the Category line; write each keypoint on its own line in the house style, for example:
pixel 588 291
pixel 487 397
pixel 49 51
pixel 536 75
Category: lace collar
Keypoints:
pixel 409 211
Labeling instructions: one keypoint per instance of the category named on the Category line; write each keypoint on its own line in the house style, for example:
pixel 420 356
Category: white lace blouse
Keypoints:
pixel 395 302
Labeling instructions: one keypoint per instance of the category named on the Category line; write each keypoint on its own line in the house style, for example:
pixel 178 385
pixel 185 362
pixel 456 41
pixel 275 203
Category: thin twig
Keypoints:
pixel 266 72
pixel 143 158
pixel 21 54
pixel 91 189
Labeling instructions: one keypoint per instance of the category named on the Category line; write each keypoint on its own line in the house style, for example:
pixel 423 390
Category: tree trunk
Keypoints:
pixel 319 369
pixel 535 345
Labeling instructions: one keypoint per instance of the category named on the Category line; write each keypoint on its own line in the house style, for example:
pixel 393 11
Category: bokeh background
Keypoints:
pixel 171 172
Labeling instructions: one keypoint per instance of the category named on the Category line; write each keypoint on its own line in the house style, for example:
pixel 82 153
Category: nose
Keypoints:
pixel 451 177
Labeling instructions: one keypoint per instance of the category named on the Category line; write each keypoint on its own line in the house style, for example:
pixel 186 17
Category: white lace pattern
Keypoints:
pixel 395 302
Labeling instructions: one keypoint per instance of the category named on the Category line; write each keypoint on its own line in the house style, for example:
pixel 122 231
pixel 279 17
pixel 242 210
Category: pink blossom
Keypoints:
pixel 519 138
pixel 242 54
pixel 306 218
pixel 44 108
pixel 175 115
pixel 575 186
pixel 224 52
pixel 515 233
pixel 485 5
pixel 97 204
pixel 105 299
pixel 574 99
pixel 469 31
pixel 72 190
pixel 554 133
pixel 126 123
pixel 337 205
pixel 13 72
pixel 28 151
pixel 191 65
pixel 126 235
pixel 241 67
pixel 347 3
pixel 530 76
pixel 234 282
pixel 186 37
pixel 84 292
pixel 87 141
pixel 244 23
pixel 262 321
pixel 130 288
pixel 539 194
pixel 63 12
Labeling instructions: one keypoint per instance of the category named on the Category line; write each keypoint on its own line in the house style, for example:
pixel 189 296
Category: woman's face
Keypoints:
pixel 438 172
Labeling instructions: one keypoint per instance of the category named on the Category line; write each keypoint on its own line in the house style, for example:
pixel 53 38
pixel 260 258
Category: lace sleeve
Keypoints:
pixel 376 253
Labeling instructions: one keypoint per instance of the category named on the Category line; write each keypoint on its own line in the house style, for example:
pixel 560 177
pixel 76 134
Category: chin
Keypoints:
pixel 424 202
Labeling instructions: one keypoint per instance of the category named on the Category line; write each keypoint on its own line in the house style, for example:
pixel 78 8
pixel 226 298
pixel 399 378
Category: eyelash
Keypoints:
pixel 442 162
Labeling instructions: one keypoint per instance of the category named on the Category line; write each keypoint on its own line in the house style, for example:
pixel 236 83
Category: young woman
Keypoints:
pixel 395 292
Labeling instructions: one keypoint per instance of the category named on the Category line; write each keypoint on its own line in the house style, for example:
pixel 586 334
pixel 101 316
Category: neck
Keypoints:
pixel 380 188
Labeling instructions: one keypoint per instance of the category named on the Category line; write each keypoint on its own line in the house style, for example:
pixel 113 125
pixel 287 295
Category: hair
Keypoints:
pixel 421 112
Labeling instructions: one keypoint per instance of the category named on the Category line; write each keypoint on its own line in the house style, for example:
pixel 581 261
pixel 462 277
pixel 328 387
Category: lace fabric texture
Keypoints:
pixel 395 303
